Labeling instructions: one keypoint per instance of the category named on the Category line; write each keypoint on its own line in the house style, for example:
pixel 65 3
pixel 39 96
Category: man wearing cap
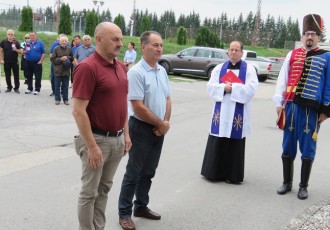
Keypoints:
pixel 304 103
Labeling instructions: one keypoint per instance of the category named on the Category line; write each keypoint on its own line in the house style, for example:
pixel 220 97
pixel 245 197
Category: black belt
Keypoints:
pixel 107 134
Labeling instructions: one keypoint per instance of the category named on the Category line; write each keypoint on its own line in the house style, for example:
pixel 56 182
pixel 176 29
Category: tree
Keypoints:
pixel 145 23
pixel 182 36
pixel 91 23
pixel 106 16
pixel 206 38
pixel 167 20
pixel 65 20
pixel 27 18
pixel 324 32
pixel 49 14
pixel 181 20
pixel 120 22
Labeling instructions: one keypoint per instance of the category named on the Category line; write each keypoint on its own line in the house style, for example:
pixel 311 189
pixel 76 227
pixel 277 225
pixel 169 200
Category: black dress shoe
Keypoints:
pixel 148 214
pixel 232 182
pixel 286 187
pixel 302 193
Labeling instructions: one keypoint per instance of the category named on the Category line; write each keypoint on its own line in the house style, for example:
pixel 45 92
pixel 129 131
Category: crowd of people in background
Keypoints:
pixel 33 51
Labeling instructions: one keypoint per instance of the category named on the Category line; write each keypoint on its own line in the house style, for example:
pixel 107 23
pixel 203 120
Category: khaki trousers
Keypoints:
pixel 96 183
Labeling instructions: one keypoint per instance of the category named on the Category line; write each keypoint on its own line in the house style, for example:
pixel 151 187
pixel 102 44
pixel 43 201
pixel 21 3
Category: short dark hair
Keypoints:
pixel 77 36
pixel 144 38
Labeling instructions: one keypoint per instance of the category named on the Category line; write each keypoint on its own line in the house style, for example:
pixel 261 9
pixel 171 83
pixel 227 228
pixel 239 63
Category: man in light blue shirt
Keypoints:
pixel 149 95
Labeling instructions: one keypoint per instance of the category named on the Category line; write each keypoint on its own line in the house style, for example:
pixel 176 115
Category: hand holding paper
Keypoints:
pixel 230 77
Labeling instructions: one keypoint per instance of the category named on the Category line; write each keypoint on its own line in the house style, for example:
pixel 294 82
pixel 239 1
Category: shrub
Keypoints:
pixel 182 36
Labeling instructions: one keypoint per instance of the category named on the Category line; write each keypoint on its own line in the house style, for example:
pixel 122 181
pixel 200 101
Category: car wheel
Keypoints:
pixel 209 72
pixel 166 66
pixel 262 78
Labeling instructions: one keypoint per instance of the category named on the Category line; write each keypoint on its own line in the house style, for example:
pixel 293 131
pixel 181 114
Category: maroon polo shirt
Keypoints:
pixel 105 85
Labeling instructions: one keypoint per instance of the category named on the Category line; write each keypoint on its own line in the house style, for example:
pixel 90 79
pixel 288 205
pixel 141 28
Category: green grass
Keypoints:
pixel 170 46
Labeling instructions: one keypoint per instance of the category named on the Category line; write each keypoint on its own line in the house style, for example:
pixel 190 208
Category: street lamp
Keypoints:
pixel 75 17
pixel 80 16
pixel 98 4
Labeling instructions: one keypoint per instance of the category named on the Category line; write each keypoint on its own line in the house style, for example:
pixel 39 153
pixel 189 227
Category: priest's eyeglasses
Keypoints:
pixel 312 34
pixel 234 50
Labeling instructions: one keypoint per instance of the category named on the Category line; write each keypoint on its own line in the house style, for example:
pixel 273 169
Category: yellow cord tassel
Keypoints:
pixel 314 137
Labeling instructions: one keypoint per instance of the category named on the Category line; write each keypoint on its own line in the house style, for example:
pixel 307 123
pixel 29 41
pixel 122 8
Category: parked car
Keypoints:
pixel 194 60
pixel 276 66
pixel 260 64
pixel 202 60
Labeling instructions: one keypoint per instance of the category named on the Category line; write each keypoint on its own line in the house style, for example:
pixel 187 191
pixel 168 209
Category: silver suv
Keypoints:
pixel 194 60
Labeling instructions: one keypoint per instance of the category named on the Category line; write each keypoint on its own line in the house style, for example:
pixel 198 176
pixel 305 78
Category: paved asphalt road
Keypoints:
pixel 40 173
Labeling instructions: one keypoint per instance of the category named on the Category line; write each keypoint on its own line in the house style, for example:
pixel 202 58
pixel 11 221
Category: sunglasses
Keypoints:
pixel 27 38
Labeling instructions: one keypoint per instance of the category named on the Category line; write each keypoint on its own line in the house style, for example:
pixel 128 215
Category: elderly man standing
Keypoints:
pixel 35 54
pixel 62 58
pixel 99 95
pixel 150 101
pixel 9 50
pixel 84 51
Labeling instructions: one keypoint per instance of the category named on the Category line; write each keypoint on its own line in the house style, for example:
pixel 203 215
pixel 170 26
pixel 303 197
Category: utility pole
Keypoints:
pixel 57 8
pixel 132 20
pixel 80 16
pixel 255 37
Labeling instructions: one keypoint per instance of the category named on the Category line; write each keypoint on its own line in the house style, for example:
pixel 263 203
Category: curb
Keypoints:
pixel 314 217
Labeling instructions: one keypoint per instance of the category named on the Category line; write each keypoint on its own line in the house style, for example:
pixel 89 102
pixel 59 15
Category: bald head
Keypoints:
pixel 104 27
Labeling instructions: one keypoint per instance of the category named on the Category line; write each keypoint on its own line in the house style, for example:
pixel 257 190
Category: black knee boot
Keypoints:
pixel 287 175
pixel 306 167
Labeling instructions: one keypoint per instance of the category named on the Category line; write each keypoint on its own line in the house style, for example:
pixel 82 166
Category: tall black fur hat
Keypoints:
pixel 312 22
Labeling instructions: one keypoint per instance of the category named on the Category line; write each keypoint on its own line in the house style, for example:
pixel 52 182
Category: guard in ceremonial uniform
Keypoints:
pixel 232 86
pixel 302 88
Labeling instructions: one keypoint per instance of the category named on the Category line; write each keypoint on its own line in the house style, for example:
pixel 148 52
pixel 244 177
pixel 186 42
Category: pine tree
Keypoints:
pixel 27 18
pixel 91 23
pixel 65 20
pixel 145 23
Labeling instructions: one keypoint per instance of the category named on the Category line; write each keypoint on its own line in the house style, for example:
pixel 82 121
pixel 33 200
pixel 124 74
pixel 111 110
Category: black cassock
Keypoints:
pixel 224 159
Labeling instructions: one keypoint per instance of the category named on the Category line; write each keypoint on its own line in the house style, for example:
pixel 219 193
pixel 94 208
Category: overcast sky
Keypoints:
pixel 297 9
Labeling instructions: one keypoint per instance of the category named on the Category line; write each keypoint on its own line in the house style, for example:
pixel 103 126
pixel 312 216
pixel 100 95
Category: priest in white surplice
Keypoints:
pixel 231 86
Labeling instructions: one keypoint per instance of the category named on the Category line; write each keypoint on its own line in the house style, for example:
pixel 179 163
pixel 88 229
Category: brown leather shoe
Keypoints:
pixel 57 102
pixel 148 214
pixel 66 103
pixel 127 224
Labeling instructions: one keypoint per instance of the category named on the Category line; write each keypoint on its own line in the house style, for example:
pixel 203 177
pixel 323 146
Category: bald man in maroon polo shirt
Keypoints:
pixel 99 95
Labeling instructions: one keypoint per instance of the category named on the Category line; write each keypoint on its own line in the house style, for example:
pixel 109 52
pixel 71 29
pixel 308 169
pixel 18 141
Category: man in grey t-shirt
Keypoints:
pixel 84 51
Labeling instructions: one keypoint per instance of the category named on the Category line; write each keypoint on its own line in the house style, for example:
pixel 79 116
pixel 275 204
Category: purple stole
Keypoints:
pixel 237 127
